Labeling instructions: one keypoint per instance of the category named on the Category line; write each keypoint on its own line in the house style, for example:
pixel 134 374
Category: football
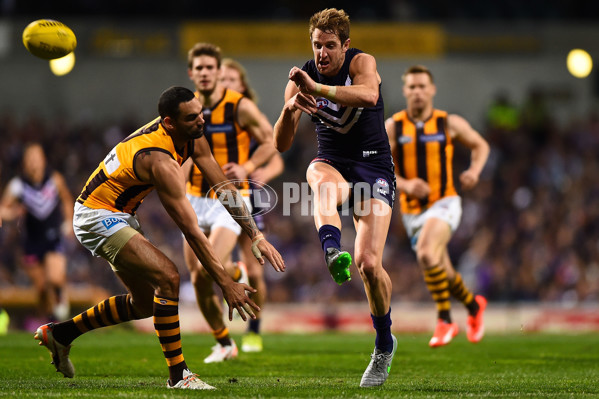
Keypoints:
pixel 49 39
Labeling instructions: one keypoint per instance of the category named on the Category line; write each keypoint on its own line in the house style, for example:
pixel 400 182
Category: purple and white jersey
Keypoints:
pixel 42 202
pixel 352 132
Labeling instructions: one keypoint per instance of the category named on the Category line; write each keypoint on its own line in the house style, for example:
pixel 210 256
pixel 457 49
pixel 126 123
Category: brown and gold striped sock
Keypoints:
pixel 438 285
pixel 222 336
pixel 166 324
pixel 114 310
pixel 463 294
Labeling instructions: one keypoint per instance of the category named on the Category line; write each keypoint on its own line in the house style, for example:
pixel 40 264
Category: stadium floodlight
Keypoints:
pixel 579 63
pixel 64 65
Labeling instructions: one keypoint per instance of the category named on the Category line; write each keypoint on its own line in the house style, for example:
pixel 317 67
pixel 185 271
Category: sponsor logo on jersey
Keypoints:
pixel 366 154
pixel 220 128
pixel 427 138
pixel 111 222
pixel 405 139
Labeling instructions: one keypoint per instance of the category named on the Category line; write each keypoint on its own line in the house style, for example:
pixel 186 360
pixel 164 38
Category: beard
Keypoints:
pixel 196 134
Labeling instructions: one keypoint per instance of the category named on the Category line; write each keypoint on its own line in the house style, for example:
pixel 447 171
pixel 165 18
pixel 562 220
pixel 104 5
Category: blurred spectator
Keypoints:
pixel 534 115
pixel 502 114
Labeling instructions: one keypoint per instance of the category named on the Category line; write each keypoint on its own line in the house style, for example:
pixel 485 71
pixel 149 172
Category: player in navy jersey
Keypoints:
pixel 340 90
pixel 42 197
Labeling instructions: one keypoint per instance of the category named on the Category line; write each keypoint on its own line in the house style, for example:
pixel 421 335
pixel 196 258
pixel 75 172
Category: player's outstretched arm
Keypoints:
pixel 232 200
pixel 272 169
pixel 252 120
pixel 167 177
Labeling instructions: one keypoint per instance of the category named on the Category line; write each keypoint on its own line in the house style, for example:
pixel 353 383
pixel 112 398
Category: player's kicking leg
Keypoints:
pixel 330 190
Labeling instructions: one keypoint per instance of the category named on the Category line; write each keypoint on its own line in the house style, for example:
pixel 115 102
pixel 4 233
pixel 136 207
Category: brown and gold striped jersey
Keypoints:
pixel 424 149
pixel 114 184
pixel 228 142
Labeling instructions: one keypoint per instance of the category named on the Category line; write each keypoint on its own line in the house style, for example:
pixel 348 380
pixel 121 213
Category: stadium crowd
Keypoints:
pixel 529 231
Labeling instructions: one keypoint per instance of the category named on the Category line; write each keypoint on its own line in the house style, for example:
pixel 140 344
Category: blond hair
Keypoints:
pixel 248 92
pixel 331 20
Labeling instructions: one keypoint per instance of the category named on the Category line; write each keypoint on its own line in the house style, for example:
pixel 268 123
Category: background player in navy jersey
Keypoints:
pixel 234 76
pixel 421 138
pixel 42 197
pixel 340 90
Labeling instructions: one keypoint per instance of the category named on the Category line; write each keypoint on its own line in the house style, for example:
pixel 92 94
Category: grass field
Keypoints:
pixel 118 363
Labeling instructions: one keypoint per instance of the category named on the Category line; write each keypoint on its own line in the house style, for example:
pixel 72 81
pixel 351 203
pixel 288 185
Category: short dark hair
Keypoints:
pixel 208 49
pixel 168 104
pixel 331 20
pixel 417 69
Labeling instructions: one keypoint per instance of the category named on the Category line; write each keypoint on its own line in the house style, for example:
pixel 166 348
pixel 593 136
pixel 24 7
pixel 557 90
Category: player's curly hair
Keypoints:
pixel 208 49
pixel 331 20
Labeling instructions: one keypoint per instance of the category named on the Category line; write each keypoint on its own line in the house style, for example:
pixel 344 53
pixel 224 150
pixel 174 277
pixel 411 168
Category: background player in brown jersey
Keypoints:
pixel 106 224
pixel 232 121
pixel 234 76
pixel 421 140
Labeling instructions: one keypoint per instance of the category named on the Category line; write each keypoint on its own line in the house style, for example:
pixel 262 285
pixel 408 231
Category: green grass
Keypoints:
pixel 118 363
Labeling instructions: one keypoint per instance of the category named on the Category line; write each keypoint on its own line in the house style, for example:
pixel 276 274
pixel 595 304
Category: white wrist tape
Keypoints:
pixel 255 249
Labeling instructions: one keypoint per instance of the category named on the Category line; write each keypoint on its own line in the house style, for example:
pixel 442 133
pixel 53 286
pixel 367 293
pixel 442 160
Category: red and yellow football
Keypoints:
pixel 49 39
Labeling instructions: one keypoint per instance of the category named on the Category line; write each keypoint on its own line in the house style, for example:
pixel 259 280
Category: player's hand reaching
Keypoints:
pixel 417 188
pixel 304 102
pixel 234 171
pixel 236 297
pixel 302 80
pixel 468 179
pixel 262 248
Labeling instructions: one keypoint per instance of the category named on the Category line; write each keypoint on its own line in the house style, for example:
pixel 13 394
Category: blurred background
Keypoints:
pixel 529 237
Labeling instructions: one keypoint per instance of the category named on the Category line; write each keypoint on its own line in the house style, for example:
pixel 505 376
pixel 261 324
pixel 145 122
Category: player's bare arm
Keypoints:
pixel 285 128
pixel 413 187
pixel 460 130
pixel 10 207
pixel 232 200
pixel 164 173
pixel 257 125
pixel 363 92
pixel 273 168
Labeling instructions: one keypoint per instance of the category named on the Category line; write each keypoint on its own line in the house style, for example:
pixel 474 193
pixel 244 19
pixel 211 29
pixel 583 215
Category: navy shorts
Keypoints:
pixel 373 177
pixel 35 249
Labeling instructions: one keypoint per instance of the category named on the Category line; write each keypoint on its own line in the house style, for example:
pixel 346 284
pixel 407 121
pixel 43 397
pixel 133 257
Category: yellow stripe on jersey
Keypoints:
pixel 114 184
pixel 227 140
pixel 424 150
